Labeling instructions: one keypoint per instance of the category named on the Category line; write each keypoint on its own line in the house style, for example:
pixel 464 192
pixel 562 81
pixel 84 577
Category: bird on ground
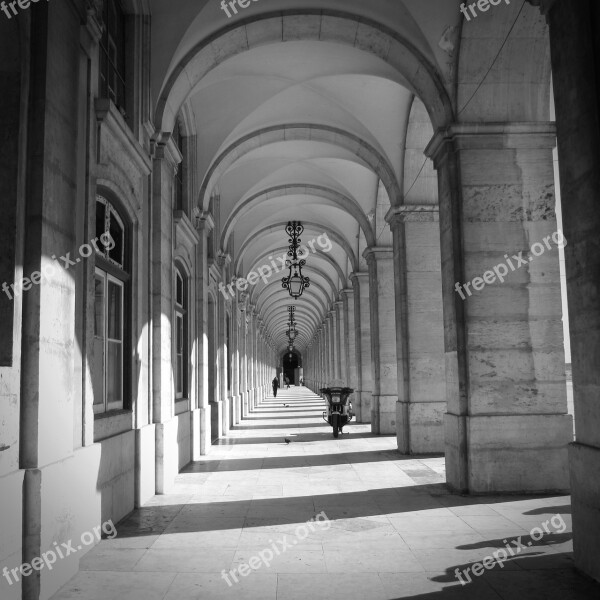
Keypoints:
pixel 287 441
pixel 286 406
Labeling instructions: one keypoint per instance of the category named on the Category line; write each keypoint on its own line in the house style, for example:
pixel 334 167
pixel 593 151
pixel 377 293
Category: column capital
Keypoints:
pixel 223 259
pixel 412 213
pixel 165 149
pixel 203 221
pixel 491 136
pixel 339 304
pixel 378 253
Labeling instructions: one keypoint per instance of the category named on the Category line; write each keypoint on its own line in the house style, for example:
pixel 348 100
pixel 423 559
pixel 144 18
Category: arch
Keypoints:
pixel 278 315
pixel 318 301
pixel 318 255
pixel 511 95
pixel 314 25
pixel 122 198
pixel 274 134
pixel 348 204
pixel 181 258
pixel 284 249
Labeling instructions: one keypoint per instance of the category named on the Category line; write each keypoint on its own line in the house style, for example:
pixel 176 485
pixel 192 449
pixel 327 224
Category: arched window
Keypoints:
pixel 111 281
pixel 181 335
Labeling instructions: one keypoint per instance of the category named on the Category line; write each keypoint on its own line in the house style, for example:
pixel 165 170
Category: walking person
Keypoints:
pixel 287 382
pixel 275 386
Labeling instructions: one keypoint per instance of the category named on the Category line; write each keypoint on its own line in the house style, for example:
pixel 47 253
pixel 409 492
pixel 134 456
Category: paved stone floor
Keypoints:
pixel 393 531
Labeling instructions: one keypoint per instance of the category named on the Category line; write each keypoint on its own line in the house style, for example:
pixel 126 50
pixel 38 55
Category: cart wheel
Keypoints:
pixel 335 423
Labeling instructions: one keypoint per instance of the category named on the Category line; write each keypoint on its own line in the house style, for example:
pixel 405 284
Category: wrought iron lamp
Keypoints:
pixel 295 283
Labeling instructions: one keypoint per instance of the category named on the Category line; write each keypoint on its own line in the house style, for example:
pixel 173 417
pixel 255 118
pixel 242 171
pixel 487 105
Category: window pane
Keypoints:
pixel 115 298
pixel 179 292
pixel 100 218
pixel 179 375
pixel 98 371
pixel 99 306
pixel 114 372
pixel 180 334
pixel 118 235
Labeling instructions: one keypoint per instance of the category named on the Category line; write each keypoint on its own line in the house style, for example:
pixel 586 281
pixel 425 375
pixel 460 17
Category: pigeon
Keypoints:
pixel 286 406
pixel 287 441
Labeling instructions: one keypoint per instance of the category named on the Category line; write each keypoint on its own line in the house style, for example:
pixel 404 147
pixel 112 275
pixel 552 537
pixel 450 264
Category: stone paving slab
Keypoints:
pixel 394 530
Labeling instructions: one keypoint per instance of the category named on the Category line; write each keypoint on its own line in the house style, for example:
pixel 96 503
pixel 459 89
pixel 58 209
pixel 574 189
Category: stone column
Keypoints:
pixel 362 325
pixel 235 363
pixel 341 341
pixel 507 427
pixel 251 356
pixel 163 386
pixel 201 430
pixel 223 262
pixel 383 339
pixel 575 54
pixel 419 329
pixel 330 348
pixel 350 341
pixel 244 358
pixel 259 369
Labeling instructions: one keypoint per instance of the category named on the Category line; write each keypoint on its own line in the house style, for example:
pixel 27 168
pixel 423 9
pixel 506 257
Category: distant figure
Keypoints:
pixel 287 382
pixel 275 386
pixel 301 380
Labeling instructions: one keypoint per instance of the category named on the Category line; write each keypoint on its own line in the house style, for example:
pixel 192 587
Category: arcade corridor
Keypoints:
pixel 388 196
pixel 395 532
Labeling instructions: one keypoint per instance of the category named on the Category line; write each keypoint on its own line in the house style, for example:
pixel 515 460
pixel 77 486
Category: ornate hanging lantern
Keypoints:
pixel 295 283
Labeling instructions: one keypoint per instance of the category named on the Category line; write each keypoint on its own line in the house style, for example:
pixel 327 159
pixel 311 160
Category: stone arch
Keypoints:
pixel 337 238
pixel 511 95
pixel 345 202
pixel 314 25
pixel 301 132
pixel 320 255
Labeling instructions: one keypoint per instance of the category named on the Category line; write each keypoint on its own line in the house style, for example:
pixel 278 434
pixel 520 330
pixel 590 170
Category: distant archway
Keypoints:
pixel 291 365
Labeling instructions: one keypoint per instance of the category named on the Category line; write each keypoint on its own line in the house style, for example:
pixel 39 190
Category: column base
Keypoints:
pixel 145 468
pixel 383 415
pixel 585 500
pixel 362 406
pixel 167 455
pixel 236 402
pixel 517 453
pixel 420 427
pixel 201 432
pixel 224 422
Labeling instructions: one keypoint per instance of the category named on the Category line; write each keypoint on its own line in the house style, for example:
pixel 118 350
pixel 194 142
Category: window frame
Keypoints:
pixel 117 274
pixel 112 67
pixel 181 314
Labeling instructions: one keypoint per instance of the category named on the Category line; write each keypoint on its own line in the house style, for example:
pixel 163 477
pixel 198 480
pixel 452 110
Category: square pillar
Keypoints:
pixel 507 427
pixel 383 339
pixel 419 329
pixel 362 334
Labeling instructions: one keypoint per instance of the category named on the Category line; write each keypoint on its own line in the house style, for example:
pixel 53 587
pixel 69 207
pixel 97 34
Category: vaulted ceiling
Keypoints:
pixel 302 115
